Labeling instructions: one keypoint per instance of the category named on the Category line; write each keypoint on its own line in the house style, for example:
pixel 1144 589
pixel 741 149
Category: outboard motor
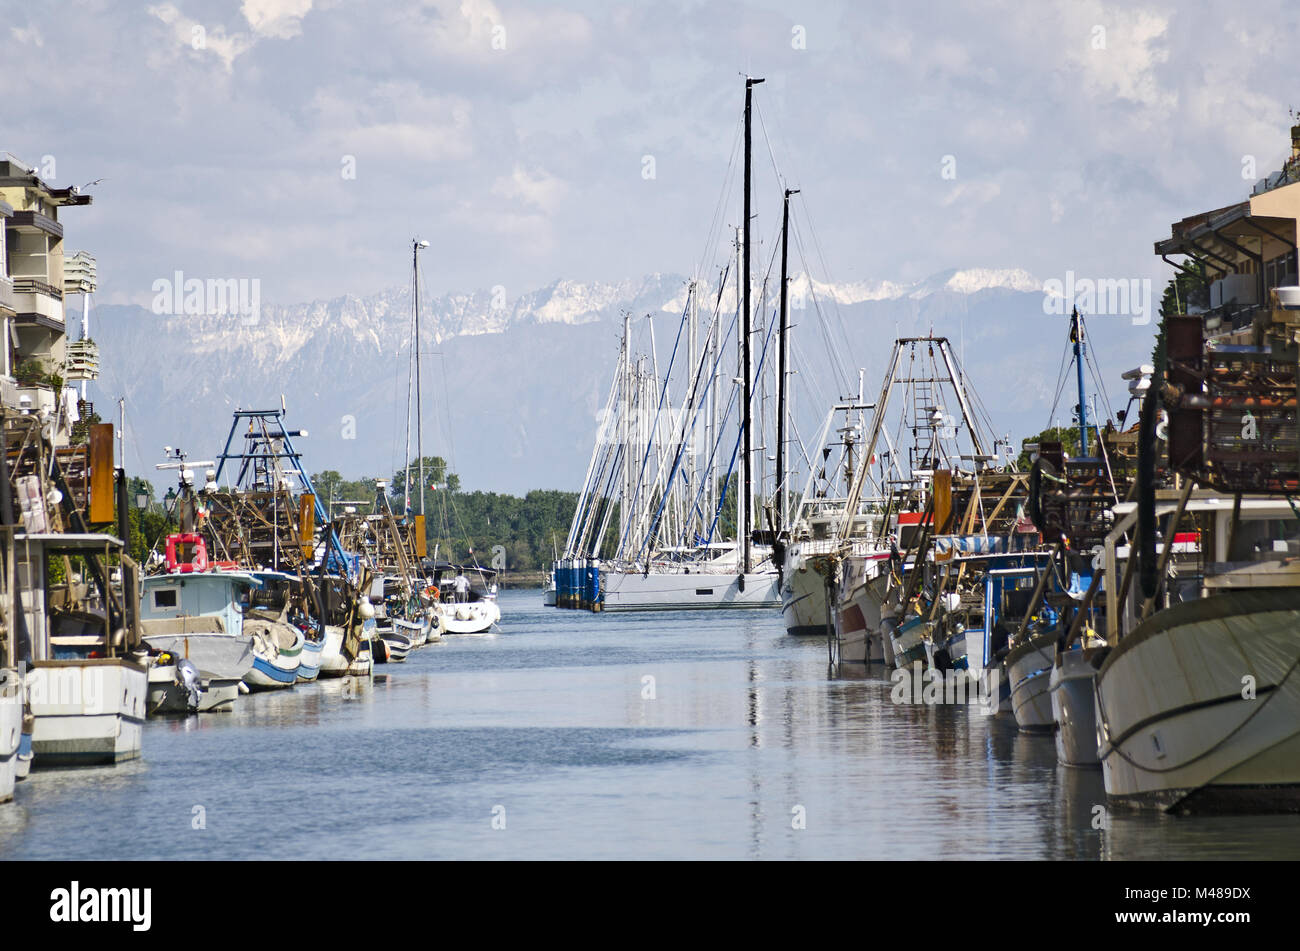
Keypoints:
pixel 188 679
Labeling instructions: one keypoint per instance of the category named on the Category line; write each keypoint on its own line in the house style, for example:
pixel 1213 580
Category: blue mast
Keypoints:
pixel 1076 336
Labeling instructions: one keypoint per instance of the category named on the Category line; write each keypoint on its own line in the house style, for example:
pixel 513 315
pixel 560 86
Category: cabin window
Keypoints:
pixel 165 598
pixel 703 591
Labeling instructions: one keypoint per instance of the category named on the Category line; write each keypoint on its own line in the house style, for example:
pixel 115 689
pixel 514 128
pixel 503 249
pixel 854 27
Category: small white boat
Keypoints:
pixel 219 696
pixel 473 608
pixel 468 617
pixel 332 661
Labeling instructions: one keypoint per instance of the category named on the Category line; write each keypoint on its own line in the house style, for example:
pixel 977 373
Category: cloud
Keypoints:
pixel 267 19
pixel 537 188
pixel 25 35
pixel 281 19
pixel 191 33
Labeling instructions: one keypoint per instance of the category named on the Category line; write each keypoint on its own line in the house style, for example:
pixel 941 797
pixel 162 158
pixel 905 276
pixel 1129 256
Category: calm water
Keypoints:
pixel 544 727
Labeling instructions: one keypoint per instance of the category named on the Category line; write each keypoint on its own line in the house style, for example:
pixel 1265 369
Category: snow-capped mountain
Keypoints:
pixel 513 382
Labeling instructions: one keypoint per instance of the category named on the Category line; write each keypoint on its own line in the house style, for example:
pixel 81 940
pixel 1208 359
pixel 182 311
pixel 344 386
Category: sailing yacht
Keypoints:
pixel 672 552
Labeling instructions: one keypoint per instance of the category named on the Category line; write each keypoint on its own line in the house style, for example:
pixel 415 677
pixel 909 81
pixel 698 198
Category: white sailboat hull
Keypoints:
pixel 678 591
pixel 1199 707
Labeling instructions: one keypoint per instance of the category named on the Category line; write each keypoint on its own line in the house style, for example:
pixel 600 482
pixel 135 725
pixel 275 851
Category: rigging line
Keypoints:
pixel 682 443
pixel 654 527
pixel 832 346
pixel 663 395
pixel 1060 384
pixel 821 258
pixel 728 182
pixel 1095 370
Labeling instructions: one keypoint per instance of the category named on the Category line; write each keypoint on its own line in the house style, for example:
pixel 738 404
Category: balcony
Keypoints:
pixel 6 295
pixel 82 360
pixel 39 303
pixel 28 220
pixel 34 285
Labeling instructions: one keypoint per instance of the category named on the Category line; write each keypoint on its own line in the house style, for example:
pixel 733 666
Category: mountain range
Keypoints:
pixel 513 385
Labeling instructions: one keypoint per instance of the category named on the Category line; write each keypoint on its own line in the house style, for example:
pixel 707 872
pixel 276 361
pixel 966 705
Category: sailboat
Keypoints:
pixel 670 553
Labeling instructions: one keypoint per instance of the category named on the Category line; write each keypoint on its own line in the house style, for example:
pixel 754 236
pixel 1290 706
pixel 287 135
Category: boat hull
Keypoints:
pixel 88 712
pixel 310 659
pixel 805 607
pixel 1199 707
pixel 470 617
pixel 219 696
pixel 217 656
pixel 167 697
pixel 697 591
pixel 11 731
pixel 1029 671
pixel 275 667
pixel 1074 710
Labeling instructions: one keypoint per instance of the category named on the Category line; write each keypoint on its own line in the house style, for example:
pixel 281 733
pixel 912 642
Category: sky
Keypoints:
pixel 303 143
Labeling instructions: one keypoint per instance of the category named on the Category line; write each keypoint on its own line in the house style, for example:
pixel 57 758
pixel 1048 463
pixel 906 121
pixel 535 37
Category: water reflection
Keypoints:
pixel 633 736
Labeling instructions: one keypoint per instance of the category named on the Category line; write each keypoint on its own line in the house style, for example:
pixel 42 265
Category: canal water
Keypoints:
pixel 572 735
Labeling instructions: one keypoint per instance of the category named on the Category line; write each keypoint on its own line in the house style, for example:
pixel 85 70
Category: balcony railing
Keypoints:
pixel 33 285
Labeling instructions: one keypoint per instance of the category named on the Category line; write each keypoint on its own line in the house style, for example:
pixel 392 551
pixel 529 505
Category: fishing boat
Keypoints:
pixel 198 617
pixel 1198 700
pixel 268 522
pixel 811 593
pixel 1198 697
pixel 86 690
pixel 910 558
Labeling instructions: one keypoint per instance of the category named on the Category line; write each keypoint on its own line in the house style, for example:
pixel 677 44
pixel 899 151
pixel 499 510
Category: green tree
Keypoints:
pixel 1068 437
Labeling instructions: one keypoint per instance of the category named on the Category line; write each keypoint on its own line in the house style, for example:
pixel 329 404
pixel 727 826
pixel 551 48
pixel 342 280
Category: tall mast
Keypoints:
pixel 1076 335
pixel 781 357
pixel 416 245
pixel 745 329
